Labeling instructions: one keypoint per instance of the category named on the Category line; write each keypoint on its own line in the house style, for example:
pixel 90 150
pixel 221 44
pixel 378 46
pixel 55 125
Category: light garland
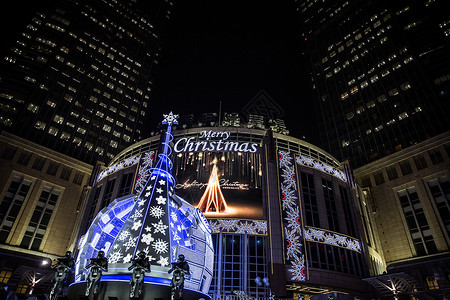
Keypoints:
pixel 309 162
pixel 253 227
pixel 291 218
pixel 331 238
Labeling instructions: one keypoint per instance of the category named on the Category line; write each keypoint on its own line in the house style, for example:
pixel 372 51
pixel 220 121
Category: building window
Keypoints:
pixel 431 283
pixel 436 156
pixel 330 205
pixel 405 167
pixel 52 168
pixel 107 195
pixel 78 178
pixel 347 211
pixel 5 274
pixel 65 173
pixel 379 178
pixel 11 205
pixel 39 163
pixel 42 213
pixel 24 158
pixel 310 200
pixel 420 162
pixel 125 185
pixel 392 172
pixel 9 152
pixel 440 191
pixel 416 221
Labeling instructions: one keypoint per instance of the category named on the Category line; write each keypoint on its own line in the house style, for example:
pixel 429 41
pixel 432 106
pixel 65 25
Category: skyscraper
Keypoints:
pixel 380 74
pixel 78 79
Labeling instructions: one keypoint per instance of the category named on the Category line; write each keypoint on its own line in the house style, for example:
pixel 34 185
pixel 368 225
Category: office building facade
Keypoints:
pixel 410 192
pixel 79 77
pixel 42 198
pixel 379 72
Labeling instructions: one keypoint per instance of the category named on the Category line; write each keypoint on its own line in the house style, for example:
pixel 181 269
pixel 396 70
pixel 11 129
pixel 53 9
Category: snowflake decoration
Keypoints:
pixel 160 246
pixel 127 258
pixel 115 256
pixel 162 182
pixel 130 243
pixel 136 225
pixel 147 238
pixel 174 216
pixel 160 227
pixel 141 202
pixel 170 119
pixel 137 214
pixel 163 261
pixel 161 200
pixel 123 235
pixel 228 225
pixel 297 270
pixel 293 249
pixel 246 227
pixel 159 190
pixel 157 212
pixel 148 229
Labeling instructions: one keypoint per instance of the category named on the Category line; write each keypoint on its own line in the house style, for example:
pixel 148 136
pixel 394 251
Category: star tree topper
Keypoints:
pixel 170 119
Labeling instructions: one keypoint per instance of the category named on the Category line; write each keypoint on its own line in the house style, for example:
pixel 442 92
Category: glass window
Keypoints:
pixel 330 205
pixel 52 168
pixel 392 172
pixel 65 173
pixel 11 204
pixel 40 219
pixel 310 200
pixel 9 152
pixel 125 184
pixel 440 191
pixel 420 162
pixel 379 178
pixel 405 167
pixel 78 178
pixel 416 221
pixel 39 163
pixel 436 156
pixel 24 158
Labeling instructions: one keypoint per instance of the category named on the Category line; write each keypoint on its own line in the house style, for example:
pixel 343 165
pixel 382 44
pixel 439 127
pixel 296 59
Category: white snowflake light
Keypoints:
pixel 160 227
pixel 157 212
pixel 147 238
pixel 160 246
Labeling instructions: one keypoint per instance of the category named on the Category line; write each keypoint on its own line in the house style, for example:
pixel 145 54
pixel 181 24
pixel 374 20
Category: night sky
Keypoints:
pixel 220 51
pixel 230 50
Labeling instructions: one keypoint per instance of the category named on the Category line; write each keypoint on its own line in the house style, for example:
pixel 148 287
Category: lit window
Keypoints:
pixel 113 144
pixel 405 86
pixel 390 122
pixel 33 108
pixel 106 128
pixel 364 84
pixel 58 119
pixel 370 104
pixel 68 97
pixel 368 131
pixel 354 90
pixel 381 98
pixel 116 134
pixel 378 128
pixel 89 146
pixel 345 143
pixel 360 110
pixel 99 150
pixel 53 131
pixel 51 103
pixel 376 24
pixel 351 81
pixel 393 92
pixel 403 116
pixel 81 130
pixel 70 124
pixel 385 72
pixel 30 79
pixel 337 69
pixel 408 59
pixel 77 141
pixel 328 75
pixel 350 115
pixel 40 125
pixel 65 136
pixel 113 109
pixel 373 78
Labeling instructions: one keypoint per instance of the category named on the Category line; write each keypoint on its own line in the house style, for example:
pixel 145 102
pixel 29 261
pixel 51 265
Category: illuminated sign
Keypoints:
pixel 212 141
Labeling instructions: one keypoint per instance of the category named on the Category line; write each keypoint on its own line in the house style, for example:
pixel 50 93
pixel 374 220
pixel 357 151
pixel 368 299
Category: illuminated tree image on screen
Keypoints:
pixel 213 199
